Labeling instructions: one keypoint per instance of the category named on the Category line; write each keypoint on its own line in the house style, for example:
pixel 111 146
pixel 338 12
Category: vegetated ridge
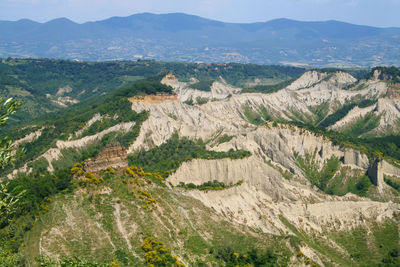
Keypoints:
pixel 182 37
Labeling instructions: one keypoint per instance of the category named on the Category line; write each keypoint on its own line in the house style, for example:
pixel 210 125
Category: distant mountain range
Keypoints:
pixel 182 37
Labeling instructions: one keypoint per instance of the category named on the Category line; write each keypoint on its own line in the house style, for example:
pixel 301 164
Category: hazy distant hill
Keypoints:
pixel 181 37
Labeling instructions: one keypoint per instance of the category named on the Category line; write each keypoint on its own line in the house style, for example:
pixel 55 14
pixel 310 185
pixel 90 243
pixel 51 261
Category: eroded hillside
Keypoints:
pixel 217 172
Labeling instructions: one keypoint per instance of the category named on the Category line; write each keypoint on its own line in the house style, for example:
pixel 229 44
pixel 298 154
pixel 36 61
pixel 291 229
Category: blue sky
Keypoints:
pixel 382 13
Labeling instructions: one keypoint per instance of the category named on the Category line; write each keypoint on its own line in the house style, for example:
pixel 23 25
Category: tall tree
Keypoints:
pixel 7 151
pixel 8 201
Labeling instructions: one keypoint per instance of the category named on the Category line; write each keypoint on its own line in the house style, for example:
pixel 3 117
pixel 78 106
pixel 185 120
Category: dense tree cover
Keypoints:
pixel 331 178
pixel 37 81
pixel 391 74
pixel 253 257
pixel 270 88
pixel 358 73
pixel 392 259
pixel 62 128
pixel 71 262
pixel 48 75
pixel 204 85
pixel 343 111
pixel 36 78
pixel 7 108
pixel 144 87
pixel 170 155
pixel 115 108
pixel 386 146
pixel 317 177
pixel 9 204
pixel 39 186
pixel 36 192
pixel 234 73
pixel 393 183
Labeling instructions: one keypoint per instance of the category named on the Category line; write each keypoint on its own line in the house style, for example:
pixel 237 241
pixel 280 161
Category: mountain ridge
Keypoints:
pixel 150 14
pixel 182 37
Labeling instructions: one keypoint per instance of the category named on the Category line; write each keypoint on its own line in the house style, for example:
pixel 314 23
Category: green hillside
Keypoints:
pixel 46 85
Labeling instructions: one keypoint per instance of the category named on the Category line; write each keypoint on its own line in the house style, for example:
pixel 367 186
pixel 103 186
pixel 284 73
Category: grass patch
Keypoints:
pixel 363 125
pixel 252 116
pixel 202 100
pixel 318 177
pixel 256 117
pixel 224 139
pixel 318 245
pixel 320 112
pixel 393 182
pixel 172 116
pixel 370 249
pixel 331 178
pixel 343 111
pixel 347 180
pixel 178 220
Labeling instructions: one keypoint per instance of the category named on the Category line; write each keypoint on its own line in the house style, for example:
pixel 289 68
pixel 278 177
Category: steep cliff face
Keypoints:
pixel 159 98
pixel 55 153
pixel 390 169
pixel 265 195
pixel 355 158
pixel 113 155
pixel 390 110
pixel 226 117
pixel 375 172
pixel 311 90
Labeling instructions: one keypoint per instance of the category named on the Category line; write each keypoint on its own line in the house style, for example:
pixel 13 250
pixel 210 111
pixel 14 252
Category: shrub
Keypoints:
pixel 156 254
pixel 253 257
pixel 110 170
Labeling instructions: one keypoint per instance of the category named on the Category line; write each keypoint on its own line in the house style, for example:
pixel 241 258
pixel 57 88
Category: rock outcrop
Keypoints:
pixel 389 169
pixel 355 158
pixel 375 173
pixel 114 155
pixel 158 98
pixel 265 194
pixel 273 187
pixel 56 153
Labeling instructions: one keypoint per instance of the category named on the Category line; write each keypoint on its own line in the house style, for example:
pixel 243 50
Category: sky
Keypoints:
pixel 380 13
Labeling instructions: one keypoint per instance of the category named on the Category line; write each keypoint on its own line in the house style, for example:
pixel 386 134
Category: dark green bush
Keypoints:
pixel 169 156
